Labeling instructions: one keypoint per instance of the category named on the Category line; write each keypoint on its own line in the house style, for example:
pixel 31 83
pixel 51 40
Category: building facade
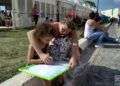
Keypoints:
pixel 21 10
pixel 21 13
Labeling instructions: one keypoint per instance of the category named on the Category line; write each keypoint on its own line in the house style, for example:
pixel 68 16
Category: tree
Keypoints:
pixel 91 3
pixel 58 10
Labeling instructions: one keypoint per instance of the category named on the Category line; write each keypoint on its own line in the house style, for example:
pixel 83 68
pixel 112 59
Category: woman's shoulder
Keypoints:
pixel 90 22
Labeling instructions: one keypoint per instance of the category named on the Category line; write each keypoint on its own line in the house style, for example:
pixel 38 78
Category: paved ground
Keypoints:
pixel 4 27
pixel 101 66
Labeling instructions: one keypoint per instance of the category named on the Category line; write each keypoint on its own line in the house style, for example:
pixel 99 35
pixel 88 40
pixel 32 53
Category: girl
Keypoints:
pixel 60 48
pixel 39 40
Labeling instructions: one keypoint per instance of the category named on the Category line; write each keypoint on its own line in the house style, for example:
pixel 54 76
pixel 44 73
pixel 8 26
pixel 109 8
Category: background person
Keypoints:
pixel 118 20
pixel 95 33
pixel 35 14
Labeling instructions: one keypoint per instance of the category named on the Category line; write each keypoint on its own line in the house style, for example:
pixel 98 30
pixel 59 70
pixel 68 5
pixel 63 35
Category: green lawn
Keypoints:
pixel 13 50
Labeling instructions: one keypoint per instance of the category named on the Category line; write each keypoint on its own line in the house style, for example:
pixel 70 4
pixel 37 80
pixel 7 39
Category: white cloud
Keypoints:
pixel 117 0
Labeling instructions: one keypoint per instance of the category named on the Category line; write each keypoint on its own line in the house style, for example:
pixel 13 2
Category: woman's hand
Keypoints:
pixel 73 63
pixel 46 58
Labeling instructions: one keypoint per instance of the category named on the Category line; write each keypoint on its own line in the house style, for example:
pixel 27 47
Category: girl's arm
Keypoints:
pixel 37 45
pixel 30 56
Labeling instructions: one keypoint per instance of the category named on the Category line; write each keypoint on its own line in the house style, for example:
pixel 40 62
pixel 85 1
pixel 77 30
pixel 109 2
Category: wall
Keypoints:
pixel 20 13
pixel 65 6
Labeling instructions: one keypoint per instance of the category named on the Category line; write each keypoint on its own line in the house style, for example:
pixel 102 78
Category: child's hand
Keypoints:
pixel 47 59
pixel 73 63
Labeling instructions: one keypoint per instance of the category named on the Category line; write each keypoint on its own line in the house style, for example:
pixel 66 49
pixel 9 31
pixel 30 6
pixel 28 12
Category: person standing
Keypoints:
pixel 119 20
pixel 8 18
pixel 35 14
pixel 2 18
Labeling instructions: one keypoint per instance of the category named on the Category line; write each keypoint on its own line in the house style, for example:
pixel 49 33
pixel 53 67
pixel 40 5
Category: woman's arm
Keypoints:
pixel 75 46
pixel 105 27
pixel 75 57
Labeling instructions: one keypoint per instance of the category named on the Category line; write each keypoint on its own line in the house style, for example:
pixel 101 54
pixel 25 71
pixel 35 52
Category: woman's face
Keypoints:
pixel 63 29
pixel 46 39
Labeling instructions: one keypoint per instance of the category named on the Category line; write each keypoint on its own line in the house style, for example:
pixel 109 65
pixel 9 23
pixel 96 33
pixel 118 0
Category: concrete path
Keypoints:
pixel 108 57
pixel 5 28
pixel 100 66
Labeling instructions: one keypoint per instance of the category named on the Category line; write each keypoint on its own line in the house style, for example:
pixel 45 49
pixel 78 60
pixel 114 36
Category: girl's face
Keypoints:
pixel 63 29
pixel 46 39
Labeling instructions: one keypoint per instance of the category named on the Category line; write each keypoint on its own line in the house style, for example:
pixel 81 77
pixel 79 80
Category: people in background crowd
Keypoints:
pixel 35 14
pixel 2 18
pixel 8 18
pixel 118 20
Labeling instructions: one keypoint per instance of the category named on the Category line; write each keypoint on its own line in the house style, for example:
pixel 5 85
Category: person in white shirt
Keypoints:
pixel 94 33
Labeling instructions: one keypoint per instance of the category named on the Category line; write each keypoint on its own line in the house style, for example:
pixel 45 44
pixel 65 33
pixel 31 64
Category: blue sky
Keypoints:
pixel 104 4
pixel 108 4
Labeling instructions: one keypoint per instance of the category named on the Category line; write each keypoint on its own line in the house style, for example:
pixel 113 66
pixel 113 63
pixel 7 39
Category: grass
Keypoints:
pixel 13 50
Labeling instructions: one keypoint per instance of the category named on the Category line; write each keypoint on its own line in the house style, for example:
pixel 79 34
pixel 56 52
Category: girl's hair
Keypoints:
pixel 43 29
pixel 92 15
pixel 97 18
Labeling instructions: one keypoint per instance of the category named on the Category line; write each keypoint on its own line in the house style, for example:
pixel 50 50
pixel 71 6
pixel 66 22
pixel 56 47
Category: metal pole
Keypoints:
pixel 57 10
pixel 97 5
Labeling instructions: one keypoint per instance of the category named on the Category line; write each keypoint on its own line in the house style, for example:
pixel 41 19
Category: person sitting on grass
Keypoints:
pixel 47 46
